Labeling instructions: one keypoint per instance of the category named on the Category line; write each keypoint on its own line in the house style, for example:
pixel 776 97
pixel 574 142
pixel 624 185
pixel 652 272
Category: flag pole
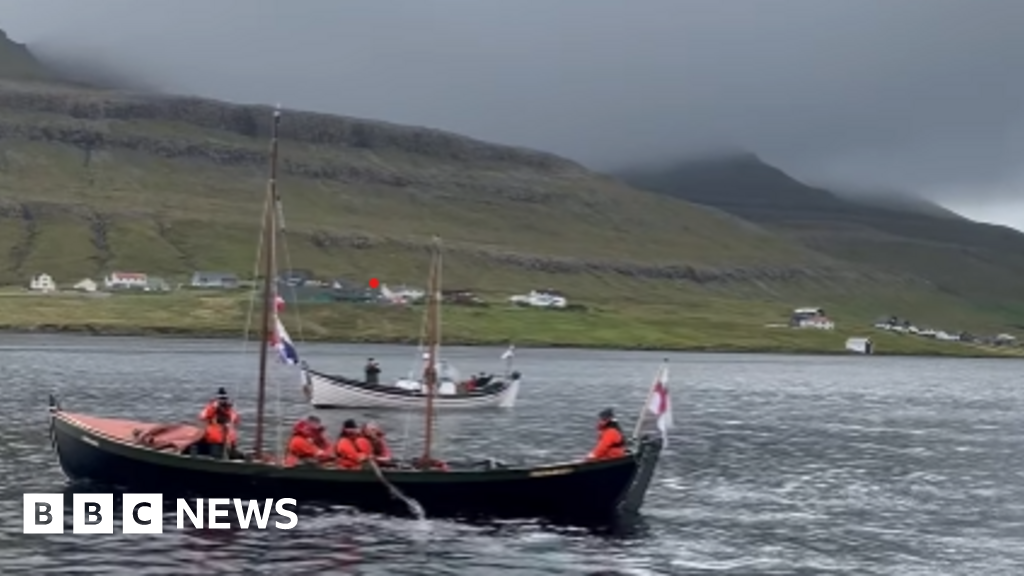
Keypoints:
pixel 509 355
pixel 647 402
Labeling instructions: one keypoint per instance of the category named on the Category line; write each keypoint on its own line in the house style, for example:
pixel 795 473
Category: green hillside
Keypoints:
pixel 94 181
pixel 981 263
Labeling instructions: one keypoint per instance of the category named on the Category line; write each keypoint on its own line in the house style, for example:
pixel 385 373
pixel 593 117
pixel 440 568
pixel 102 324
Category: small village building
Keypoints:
pixel 42 283
pixel 126 281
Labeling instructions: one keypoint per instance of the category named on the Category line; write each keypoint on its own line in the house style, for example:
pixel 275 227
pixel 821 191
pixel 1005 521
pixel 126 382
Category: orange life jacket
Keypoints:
pixel 300 449
pixel 217 421
pixel 610 443
pixel 348 453
pixel 376 448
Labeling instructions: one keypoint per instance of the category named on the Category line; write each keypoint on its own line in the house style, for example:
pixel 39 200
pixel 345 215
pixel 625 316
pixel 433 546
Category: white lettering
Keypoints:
pixel 213 503
pixel 196 518
pixel 282 511
pixel 253 510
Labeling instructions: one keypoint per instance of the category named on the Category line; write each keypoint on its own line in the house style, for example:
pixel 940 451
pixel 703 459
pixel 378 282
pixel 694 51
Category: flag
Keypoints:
pixel 509 353
pixel 280 340
pixel 660 405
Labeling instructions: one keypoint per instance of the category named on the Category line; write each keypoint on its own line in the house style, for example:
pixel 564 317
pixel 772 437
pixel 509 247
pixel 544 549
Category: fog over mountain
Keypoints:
pixel 916 95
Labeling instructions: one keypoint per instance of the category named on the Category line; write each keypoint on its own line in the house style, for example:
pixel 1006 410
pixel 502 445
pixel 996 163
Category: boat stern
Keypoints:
pixel 647 456
pixel 508 398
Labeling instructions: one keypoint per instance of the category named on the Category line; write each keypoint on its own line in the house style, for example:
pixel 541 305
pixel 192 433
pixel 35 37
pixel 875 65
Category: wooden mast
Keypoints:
pixel 433 336
pixel 269 267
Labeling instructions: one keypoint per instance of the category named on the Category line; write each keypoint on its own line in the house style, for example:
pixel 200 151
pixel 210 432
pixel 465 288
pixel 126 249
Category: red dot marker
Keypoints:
pixel 374 283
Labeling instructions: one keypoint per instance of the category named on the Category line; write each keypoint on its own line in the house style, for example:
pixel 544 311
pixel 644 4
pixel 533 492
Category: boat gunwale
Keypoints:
pixel 313 472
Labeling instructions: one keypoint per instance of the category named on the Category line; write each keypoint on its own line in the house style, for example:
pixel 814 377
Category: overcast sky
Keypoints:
pixel 922 95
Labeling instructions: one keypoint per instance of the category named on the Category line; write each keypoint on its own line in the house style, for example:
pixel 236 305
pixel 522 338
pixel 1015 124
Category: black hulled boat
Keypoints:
pixel 141 456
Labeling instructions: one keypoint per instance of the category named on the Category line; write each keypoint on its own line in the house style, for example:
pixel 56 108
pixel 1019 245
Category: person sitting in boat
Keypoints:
pixel 371 442
pixel 221 421
pixel 302 446
pixel 346 450
pixel 372 371
pixel 318 433
pixel 610 441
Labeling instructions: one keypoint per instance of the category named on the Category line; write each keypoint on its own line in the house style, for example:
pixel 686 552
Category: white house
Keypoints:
pixel 539 299
pixel 819 323
pixel 42 283
pixel 860 345
pixel 811 318
pixel 401 294
pixel 86 285
pixel 126 280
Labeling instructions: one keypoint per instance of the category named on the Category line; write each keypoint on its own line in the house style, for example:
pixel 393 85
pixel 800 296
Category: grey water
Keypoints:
pixel 776 464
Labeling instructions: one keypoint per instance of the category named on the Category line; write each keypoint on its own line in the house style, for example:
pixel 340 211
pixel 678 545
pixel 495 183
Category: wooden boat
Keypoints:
pixel 158 457
pixel 329 391
pixel 142 456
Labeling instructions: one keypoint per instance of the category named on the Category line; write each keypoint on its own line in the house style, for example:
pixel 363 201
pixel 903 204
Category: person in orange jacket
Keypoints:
pixel 221 422
pixel 371 442
pixel 611 443
pixel 302 446
pixel 346 450
pixel 317 433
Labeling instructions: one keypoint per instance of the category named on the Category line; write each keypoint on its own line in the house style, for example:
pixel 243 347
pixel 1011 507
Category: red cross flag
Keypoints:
pixel 660 405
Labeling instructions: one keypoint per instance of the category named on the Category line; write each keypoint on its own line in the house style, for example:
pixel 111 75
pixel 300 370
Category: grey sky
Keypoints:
pixel 923 95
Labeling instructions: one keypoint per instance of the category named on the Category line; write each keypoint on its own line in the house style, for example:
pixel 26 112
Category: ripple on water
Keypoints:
pixel 778 464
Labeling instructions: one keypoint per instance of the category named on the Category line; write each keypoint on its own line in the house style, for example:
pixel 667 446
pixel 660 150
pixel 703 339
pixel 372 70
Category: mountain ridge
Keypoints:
pixel 899 235
pixel 94 180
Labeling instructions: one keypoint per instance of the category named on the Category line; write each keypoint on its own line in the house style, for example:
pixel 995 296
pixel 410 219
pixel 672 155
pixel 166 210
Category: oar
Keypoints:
pixel 413 505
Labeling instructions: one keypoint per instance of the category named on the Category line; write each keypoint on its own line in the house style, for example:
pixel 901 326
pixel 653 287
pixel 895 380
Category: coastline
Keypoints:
pixel 723 326
pixel 961 351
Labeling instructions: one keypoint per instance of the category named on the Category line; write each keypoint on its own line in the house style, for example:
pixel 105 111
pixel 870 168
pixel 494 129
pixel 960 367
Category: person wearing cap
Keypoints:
pixel 371 442
pixel 346 450
pixel 305 444
pixel 221 421
pixel 610 441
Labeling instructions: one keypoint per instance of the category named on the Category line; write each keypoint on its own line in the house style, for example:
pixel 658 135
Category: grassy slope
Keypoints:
pixel 94 181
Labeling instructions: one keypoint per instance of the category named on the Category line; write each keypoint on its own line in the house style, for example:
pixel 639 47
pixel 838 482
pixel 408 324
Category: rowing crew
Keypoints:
pixel 354 447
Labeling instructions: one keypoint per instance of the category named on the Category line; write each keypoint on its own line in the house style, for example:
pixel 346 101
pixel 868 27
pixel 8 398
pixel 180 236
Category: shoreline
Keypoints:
pixel 208 334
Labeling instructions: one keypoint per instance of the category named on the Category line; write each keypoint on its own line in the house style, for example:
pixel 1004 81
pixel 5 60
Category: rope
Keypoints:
pixel 294 294
pixel 298 316
pixel 252 295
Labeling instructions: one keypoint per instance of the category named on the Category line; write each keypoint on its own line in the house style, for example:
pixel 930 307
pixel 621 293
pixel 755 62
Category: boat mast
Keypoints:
pixel 269 248
pixel 433 336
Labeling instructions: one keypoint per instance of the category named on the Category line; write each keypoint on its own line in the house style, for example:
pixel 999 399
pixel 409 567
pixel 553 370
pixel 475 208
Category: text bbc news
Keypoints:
pixel 144 513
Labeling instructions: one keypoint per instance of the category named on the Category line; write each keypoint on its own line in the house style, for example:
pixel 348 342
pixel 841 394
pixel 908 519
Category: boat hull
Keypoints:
pixel 578 492
pixel 324 391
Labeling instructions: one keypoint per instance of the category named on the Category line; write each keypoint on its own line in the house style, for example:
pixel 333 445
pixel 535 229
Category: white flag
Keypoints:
pixel 661 405
pixel 510 352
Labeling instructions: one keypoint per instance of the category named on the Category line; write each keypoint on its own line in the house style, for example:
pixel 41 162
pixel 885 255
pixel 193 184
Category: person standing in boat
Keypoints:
pixel 372 444
pixel 346 450
pixel 611 443
pixel 372 371
pixel 221 422
pixel 303 445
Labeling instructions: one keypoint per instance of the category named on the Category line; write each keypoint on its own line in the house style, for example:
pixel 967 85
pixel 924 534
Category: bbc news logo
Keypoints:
pixel 144 513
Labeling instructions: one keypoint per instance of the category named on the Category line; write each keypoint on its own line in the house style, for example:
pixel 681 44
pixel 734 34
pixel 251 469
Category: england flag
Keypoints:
pixel 660 405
